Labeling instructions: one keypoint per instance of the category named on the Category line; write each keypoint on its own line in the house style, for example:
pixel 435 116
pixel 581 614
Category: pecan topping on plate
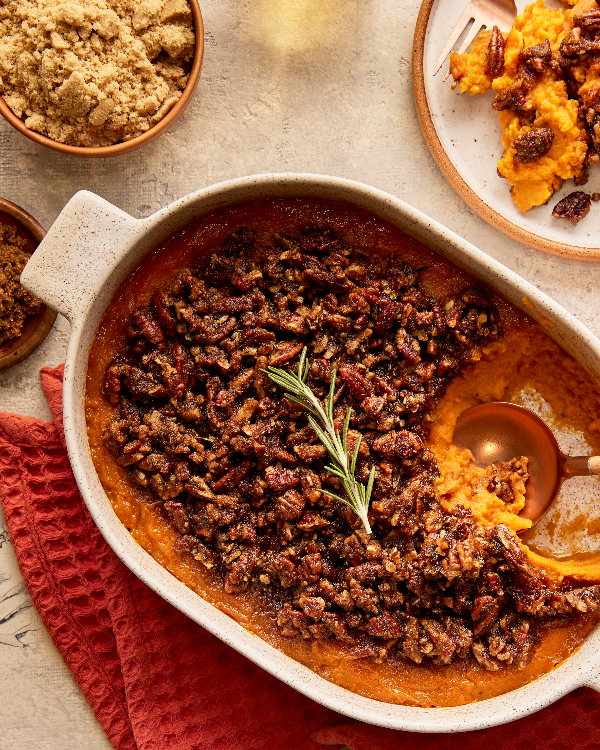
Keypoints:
pixel 495 59
pixel 574 207
pixel 532 145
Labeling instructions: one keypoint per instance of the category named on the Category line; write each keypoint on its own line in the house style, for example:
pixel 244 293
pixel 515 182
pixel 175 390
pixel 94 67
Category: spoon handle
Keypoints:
pixel 579 466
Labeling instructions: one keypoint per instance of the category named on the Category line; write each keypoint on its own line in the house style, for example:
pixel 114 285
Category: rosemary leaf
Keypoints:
pixel 320 418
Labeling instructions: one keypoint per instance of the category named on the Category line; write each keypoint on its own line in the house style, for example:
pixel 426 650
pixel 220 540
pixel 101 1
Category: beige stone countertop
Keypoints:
pixel 306 86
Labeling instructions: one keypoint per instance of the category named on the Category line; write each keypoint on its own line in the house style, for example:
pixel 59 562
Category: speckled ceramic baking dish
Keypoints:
pixel 88 252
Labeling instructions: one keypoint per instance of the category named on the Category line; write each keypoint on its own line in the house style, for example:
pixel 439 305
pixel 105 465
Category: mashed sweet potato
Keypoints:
pixel 541 85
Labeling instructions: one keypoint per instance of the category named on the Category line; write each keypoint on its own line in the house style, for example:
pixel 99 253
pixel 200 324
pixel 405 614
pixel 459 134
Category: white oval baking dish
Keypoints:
pixel 87 253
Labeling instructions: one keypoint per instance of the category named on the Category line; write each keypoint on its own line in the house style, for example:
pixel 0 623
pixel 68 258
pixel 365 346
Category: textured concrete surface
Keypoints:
pixel 311 85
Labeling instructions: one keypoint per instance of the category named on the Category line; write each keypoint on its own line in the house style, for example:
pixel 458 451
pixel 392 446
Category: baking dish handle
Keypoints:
pixel 82 245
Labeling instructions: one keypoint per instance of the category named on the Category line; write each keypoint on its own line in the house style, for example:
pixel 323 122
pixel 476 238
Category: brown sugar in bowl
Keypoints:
pixel 37 326
pixel 150 135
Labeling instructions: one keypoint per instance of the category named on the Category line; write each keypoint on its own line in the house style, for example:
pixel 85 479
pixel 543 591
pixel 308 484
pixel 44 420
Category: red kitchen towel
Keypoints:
pixel 155 679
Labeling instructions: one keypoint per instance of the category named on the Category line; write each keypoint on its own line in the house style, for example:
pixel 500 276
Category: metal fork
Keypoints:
pixel 488 13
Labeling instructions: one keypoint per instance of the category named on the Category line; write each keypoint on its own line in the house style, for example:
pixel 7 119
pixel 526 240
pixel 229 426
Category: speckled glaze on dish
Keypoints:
pixel 116 149
pixel 463 134
pixel 88 252
pixel 38 326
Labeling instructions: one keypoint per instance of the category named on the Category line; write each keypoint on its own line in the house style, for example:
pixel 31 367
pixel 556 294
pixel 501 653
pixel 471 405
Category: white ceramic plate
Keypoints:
pixel 463 135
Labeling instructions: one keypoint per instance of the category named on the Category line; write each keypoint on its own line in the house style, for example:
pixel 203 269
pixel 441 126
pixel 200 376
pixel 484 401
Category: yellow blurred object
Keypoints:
pixel 295 25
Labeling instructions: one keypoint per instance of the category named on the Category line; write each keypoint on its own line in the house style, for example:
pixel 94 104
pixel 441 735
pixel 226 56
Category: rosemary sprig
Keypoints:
pixel 320 418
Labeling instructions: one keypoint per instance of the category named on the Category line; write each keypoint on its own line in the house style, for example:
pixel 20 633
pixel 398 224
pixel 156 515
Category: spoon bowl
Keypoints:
pixel 499 431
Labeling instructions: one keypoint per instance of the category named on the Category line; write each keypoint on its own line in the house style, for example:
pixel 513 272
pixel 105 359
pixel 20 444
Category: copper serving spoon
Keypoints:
pixel 499 431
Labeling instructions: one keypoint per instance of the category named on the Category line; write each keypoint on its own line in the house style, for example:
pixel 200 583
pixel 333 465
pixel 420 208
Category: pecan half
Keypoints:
pixel 589 21
pixel 514 98
pixel 532 145
pixel 574 207
pixel 495 56
pixel 537 58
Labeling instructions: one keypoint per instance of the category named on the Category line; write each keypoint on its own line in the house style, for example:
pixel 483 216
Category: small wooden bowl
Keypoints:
pixel 141 140
pixel 37 326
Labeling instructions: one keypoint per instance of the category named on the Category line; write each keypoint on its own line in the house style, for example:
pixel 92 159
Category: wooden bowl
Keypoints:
pixel 141 140
pixel 37 326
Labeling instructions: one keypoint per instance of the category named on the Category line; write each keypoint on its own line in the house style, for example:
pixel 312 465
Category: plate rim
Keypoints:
pixel 451 174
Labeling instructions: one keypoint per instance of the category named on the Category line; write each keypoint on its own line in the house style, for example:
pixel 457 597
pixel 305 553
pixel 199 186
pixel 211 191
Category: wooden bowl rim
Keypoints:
pixel 25 344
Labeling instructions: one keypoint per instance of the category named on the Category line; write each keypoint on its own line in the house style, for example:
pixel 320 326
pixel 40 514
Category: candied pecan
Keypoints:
pixel 233 477
pixel 574 207
pixel 290 505
pixel 240 571
pixel 408 346
pixel 178 516
pixel 514 97
pixel 537 58
pixel 511 549
pixel 373 405
pixel 142 385
pixel 307 452
pixel 317 275
pixel 161 305
pixel 495 54
pixel 255 336
pixel 284 352
pixel 485 611
pixel 483 656
pixel 312 606
pixel 592 124
pixel 203 554
pixel 415 582
pixel 589 21
pixel 282 479
pixel 155 462
pixel 384 626
pixel 367 572
pixel 336 626
pixel 357 384
pixel 285 569
pixel 115 435
pixel 461 636
pixel 310 567
pixel 148 326
pixel 443 643
pixel 311 485
pixel 532 145
pixel 237 386
pixel 292 622
pixel 570 46
pixel 231 305
pixel 400 444
pixel 584 599
pixel 312 522
pixel 364 597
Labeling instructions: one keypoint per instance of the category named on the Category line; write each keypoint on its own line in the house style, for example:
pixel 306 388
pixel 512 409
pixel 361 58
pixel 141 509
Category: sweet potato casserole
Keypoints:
pixel 181 405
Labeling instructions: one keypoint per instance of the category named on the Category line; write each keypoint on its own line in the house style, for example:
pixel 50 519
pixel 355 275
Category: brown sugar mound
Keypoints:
pixel 97 72
pixel 16 304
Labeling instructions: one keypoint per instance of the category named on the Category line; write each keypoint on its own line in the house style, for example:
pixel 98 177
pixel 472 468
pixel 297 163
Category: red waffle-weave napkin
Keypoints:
pixel 155 679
